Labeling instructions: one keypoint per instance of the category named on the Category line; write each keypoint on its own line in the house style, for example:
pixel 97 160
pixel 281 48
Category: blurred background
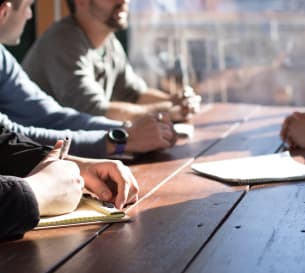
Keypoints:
pixel 249 51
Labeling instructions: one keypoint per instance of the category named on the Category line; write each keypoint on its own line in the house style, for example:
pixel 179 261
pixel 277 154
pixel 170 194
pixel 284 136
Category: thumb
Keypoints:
pixel 58 144
pixel 55 152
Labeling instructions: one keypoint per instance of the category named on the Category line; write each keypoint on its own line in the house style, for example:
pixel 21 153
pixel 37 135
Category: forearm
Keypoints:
pixel 84 143
pixel 130 111
pixel 124 110
pixel 152 96
pixel 81 161
pixel 46 114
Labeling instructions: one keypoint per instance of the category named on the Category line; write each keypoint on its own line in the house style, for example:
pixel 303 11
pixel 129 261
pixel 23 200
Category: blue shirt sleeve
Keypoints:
pixel 23 102
pixel 25 109
pixel 90 143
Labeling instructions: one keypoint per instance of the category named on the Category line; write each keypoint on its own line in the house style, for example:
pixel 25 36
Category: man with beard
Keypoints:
pixel 80 62
pixel 26 109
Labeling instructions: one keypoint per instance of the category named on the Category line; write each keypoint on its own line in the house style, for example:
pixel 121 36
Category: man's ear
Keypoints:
pixel 5 10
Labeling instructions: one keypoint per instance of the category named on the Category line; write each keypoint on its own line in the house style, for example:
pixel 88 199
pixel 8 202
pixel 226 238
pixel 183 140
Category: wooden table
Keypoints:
pixel 184 222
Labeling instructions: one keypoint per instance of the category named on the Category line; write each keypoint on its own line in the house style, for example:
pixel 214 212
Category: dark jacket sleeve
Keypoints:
pixel 18 205
pixel 18 208
pixel 18 154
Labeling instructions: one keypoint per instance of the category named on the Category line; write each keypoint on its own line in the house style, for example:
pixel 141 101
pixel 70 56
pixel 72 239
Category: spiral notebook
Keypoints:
pixel 89 211
pixel 279 167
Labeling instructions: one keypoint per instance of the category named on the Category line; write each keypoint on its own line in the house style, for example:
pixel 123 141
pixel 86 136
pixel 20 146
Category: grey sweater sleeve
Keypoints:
pixel 79 75
pixel 18 210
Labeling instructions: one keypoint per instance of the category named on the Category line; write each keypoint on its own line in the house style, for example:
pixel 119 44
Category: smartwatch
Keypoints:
pixel 119 137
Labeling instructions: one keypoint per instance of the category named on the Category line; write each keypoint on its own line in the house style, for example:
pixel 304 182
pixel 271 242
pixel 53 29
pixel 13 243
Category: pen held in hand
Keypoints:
pixel 65 148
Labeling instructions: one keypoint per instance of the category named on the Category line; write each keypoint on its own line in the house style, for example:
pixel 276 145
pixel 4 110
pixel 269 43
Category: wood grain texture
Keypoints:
pixel 178 211
pixel 172 224
pixel 168 227
pixel 210 127
pixel 40 250
pixel 265 234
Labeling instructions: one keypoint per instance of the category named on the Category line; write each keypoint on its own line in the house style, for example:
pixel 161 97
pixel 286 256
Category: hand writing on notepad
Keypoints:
pixel 111 181
pixel 57 184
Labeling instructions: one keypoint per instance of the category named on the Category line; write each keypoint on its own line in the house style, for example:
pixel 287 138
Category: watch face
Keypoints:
pixel 118 135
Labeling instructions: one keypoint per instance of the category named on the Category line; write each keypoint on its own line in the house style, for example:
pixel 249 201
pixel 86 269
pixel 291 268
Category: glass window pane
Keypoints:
pixel 228 50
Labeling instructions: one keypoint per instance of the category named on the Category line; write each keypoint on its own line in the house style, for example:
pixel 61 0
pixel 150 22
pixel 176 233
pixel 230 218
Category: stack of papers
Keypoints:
pixel 253 170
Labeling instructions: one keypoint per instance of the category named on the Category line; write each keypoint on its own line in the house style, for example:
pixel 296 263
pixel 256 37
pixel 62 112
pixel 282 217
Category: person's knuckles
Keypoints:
pixel 118 166
pixel 105 195
pixel 81 182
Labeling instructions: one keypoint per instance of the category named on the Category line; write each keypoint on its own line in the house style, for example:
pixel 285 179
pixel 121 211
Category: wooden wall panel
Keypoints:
pixel 45 14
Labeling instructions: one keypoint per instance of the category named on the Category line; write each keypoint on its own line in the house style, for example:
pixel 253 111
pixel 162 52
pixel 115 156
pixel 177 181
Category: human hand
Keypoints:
pixel 57 184
pixel 149 133
pixel 186 104
pixel 110 180
pixel 293 130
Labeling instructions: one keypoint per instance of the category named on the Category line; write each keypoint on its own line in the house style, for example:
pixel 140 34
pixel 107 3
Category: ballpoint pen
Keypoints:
pixel 65 148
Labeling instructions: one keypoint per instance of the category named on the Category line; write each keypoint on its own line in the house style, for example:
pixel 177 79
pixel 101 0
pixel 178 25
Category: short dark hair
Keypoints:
pixel 71 6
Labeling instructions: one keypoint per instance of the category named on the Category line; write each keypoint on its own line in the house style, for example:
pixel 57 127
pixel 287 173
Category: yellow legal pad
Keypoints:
pixel 89 211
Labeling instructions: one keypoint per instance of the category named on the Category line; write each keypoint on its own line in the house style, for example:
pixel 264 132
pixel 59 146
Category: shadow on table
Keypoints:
pixel 257 139
pixel 163 238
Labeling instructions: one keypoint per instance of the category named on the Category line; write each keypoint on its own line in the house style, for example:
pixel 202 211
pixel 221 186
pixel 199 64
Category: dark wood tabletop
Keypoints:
pixel 184 222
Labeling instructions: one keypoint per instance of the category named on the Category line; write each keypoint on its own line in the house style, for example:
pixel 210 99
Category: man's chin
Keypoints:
pixel 117 25
pixel 12 42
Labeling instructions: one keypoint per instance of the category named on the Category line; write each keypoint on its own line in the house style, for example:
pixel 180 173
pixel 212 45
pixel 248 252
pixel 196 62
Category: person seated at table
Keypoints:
pixel 26 109
pixel 87 68
pixel 34 182
pixel 293 130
